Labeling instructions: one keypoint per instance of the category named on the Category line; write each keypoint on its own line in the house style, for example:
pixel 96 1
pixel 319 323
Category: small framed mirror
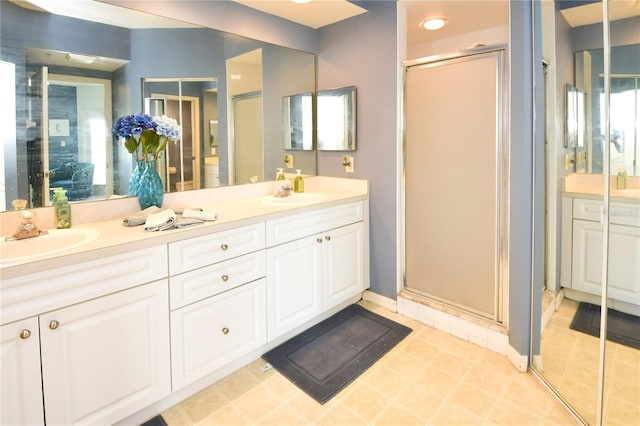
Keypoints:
pixel 337 119
pixel 574 117
pixel 297 120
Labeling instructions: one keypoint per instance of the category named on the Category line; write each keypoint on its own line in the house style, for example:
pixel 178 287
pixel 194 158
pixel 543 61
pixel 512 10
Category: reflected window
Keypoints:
pixel 625 121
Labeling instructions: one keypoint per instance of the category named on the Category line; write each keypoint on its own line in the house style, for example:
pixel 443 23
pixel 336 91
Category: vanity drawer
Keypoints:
pixel 620 213
pixel 204 282
pixel 216 331
pixel 304 224
pixel 194 253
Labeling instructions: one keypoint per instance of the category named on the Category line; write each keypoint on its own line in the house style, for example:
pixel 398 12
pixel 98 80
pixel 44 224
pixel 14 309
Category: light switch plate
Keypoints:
pixel 569 161
pixel 347 162
pixel 288 161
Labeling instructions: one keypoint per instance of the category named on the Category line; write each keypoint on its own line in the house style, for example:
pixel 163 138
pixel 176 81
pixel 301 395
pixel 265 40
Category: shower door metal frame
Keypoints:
pixel 501 267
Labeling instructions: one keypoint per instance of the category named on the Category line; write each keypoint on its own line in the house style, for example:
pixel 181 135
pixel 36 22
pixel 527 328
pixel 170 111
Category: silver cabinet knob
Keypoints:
pixel 225 330
pixel 319 240
pixel 224 247
pixel 25 334
pixel 328 237
pixel 225 278
pixel 54 324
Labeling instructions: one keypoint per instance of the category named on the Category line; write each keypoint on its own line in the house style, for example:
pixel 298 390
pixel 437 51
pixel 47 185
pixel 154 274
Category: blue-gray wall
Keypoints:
pixel 521 204
pixel 362 52
pixel 232 18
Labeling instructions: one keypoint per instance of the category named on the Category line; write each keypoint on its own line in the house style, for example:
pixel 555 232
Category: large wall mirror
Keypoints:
pixel 586 306
pixel 69 89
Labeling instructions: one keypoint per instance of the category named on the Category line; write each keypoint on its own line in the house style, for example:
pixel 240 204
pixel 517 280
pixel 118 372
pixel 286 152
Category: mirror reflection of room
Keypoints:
pixel 591 285
pixel 116 52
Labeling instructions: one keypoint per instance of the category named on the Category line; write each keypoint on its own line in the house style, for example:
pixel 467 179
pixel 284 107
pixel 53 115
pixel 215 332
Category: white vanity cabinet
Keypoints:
pixel 104 359
pixel 21 402
pixel 102 349
pixel 624 249
pixel 217 300
pixel 315 261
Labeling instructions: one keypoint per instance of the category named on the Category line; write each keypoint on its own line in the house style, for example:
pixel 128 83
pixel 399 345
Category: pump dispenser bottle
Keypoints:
pixel 280 174
pixel 621 179
pixel 298 182
pixel 62 208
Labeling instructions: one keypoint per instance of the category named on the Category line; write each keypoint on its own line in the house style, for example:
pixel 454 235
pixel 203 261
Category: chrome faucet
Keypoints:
pixel 285 189
pixel 26 229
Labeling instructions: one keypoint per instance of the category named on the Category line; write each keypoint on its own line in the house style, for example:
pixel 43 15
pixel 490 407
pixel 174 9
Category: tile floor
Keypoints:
pixel 570 364
pixel 430 378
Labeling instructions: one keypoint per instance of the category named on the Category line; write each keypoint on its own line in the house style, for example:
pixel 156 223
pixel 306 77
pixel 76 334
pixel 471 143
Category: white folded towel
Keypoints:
pixel 141 217
pixel 162 220
pixel 199 214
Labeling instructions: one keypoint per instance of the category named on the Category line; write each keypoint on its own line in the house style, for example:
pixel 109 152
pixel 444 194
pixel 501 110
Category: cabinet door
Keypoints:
pixel 107 358
pixel 294 290
pixel 624 249
pixel 343 266
pixel 209 334
pixel 21 398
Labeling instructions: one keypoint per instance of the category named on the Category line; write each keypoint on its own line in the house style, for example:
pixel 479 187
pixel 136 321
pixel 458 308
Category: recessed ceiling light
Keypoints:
pixel 434 24
pixel 301 1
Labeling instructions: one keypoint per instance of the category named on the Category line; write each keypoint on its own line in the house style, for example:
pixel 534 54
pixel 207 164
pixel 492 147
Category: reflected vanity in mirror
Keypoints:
pixel 297 119
pixel 586 303
pixel 40 45
pixel 337 119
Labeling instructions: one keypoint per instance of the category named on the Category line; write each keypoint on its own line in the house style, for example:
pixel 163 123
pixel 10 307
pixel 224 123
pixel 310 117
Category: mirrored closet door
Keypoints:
pixel 590 282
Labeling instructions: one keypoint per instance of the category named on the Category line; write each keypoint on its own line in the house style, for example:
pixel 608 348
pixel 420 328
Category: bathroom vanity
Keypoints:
pixel 133 322
pixel 582 245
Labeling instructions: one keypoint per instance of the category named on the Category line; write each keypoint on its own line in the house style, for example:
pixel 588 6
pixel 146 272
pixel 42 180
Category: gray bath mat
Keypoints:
pixel 324 359
pixel 621 328
pixel 156 421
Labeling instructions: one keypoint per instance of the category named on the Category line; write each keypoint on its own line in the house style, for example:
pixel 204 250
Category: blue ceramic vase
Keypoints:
pixel 134 180
pixel 150 190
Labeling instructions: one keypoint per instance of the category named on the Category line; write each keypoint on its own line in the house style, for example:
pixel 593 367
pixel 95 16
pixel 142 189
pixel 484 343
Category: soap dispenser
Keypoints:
pixel 298 182
pixel 280 174
pixel 63 209
pixel 621 180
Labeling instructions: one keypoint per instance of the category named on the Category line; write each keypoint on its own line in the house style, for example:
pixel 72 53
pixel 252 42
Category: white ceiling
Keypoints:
pixel 315 14
pixel 592 13
pixel 463 16
pixel 96 11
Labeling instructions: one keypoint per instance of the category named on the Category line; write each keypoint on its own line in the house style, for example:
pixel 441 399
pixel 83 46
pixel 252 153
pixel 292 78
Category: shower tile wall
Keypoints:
pixel 463 328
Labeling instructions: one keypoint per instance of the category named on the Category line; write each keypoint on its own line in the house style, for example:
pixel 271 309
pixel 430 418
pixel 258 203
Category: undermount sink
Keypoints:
pixel 295 199
pixel 55 240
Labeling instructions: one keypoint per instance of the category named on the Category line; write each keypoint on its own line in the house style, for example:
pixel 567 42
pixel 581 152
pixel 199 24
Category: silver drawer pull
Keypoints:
pixel 224 247
pixel 225 278
pixel 225 331
pixel 54 324
pixel 328 237
pixel 319 240
pixel 25 334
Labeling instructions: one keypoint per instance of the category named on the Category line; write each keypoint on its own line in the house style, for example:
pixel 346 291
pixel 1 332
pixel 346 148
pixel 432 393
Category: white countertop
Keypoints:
pixel 592 186
pixel 240 207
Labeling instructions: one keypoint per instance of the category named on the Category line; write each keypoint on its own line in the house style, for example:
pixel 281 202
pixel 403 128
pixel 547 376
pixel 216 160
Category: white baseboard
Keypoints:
pixel 383 301
pixel 521 362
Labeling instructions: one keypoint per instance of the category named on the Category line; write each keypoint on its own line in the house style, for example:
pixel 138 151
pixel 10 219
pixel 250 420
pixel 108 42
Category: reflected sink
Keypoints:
pixel 294 199
pixel 54 241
